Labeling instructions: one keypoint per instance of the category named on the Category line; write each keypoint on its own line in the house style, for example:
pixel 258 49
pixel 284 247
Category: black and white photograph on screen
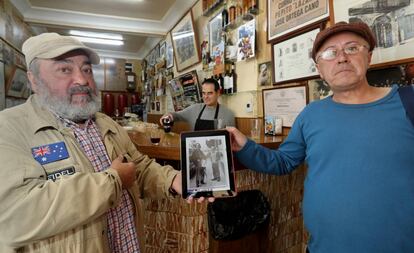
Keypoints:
pixel 207 164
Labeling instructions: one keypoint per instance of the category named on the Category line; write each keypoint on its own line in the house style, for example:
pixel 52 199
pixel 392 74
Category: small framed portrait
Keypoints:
pixel 207 164
pixel 265 74
pixel 163 50
pixel 17 84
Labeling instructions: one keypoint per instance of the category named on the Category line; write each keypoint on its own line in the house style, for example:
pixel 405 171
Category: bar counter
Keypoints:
pixel 173 225
pixel 169 146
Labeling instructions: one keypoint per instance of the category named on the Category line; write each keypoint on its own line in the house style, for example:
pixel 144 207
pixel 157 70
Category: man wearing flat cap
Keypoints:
pixel 358 145
pixel 71 180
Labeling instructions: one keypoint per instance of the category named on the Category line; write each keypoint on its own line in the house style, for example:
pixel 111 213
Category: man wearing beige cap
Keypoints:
pixel 358 145
pixel 70 178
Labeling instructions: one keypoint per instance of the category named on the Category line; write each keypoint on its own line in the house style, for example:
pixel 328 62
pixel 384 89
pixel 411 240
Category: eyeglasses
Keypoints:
pixel 331 53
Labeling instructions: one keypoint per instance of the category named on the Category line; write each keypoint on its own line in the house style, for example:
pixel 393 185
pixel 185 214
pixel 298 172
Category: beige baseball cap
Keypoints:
pixel 52 45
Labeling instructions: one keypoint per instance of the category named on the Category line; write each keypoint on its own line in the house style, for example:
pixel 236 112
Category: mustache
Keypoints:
pixel 343 68
pixel 81 89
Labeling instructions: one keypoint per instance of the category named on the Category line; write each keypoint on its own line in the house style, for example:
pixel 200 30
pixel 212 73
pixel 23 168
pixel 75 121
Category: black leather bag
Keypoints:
pixel 233 218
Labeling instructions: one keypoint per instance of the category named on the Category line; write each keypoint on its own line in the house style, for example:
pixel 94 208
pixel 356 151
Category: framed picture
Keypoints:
pixel 2 86
pixel 163 50
pixel 169 58
pixel 402 74
pixel 318 89
pixel 264 71
pixel 17 83
pixel 207 164
pixel 392 23
pixel 286 17
pixel 156 52
pixel 216 42
pixel 292 58
pixel 185 90
pixel 246 40
pixel 285 102
pixel 185 43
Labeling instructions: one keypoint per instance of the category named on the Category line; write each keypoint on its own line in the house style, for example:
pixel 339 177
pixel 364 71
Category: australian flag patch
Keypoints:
pixel 50 153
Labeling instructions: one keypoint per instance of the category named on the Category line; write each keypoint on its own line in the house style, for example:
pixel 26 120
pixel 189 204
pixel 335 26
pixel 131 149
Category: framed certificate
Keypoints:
pixel 287 17
pixel 207 164
pixel 285 102
pixel 292 59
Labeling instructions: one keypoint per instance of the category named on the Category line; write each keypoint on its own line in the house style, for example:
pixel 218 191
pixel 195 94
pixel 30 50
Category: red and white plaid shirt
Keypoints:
pixel 121 224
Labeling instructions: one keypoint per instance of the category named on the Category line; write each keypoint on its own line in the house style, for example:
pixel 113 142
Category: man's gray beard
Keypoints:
pixel 63 107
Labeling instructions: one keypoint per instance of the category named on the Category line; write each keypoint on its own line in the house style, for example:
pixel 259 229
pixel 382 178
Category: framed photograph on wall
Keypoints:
pixel 163 50
pixel 17 83
pixel 246 40
pixel 2 86
pixel 185 90
pixel 292 58
pixel 401 75
pixel 184 40
pixel 216 39
pixel 285 102
pixel 264 70
pixel 392 23
pixel 286 17
pixel 169 57
pixel 318 89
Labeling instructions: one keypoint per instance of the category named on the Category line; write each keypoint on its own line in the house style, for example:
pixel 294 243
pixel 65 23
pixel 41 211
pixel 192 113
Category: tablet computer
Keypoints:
pixel 207 164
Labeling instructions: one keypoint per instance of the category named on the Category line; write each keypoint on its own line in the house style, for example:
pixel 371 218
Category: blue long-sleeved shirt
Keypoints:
pixel 359 190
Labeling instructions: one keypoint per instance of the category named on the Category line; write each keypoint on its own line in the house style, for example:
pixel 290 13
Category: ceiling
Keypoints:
pixel 142 23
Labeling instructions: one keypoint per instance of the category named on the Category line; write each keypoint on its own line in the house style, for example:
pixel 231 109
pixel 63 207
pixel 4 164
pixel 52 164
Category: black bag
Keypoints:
pixel 233 218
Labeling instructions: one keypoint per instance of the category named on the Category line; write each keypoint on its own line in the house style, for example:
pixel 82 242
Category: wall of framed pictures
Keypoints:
pixel 284 35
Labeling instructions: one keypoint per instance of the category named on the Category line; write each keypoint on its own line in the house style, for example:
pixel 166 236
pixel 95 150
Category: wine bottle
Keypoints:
pixel 224 18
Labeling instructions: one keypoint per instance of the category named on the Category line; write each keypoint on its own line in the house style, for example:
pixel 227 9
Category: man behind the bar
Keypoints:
pixel 70 178
pixel 359 148
pixel 204 116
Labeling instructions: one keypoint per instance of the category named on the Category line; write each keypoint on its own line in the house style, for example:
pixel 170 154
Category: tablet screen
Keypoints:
pixel 207 164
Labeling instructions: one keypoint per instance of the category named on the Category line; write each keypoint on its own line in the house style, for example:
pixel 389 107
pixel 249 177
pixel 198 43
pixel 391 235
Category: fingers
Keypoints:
pixel 126 171
pixel 238 140
pixel 200 200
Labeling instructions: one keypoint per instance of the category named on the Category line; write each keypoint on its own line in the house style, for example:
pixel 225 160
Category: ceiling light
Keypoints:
pixel 180 35
pixel 96 35
pixel 100 41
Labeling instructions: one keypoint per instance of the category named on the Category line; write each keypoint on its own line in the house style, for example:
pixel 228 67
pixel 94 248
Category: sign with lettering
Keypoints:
pixel 286 16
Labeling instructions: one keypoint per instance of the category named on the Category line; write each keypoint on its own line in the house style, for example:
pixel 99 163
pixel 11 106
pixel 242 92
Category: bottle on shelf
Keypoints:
pixel 254 7
pixel 227 81
pixel 220 80
pixel 224 18
pixel 232 13
pixel 233 76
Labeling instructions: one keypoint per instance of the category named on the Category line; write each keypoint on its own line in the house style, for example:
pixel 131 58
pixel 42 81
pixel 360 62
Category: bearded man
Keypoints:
pixel 70 177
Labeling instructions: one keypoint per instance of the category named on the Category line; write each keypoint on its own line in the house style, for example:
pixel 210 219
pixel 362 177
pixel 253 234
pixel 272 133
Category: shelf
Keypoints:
pixel 240 20
pixel 213 8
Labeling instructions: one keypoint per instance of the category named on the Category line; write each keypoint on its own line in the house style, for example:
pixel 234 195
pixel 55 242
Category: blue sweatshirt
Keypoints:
pixel 359 189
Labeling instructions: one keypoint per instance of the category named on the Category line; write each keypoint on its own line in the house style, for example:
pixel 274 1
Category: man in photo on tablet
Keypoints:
pixel 358 145
pixel 206 115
